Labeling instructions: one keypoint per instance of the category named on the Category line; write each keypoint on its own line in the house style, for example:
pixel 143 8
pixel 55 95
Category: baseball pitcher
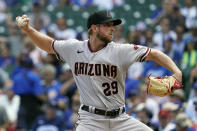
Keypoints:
pixel 99 67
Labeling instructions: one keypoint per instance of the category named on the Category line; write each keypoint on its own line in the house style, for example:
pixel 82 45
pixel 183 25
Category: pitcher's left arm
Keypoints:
pixel 165 61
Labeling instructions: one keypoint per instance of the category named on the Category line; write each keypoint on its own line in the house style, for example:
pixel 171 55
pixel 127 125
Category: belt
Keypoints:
pixel 112 113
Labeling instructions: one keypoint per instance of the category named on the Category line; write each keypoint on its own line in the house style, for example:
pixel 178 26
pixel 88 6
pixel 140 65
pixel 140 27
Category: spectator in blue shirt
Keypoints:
pixel 178 45
pixel 131 86
pixel 26 85
pixel 167 8
pixel 49 121
pixel 168 47
pixel 68 83
pixel 52 87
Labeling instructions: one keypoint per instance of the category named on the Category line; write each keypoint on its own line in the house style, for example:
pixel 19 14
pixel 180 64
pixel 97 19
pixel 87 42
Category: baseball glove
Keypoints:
pixel 162 86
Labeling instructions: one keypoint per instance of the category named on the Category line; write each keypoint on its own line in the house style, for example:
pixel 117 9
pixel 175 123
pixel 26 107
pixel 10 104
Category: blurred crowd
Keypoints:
pixel 38 92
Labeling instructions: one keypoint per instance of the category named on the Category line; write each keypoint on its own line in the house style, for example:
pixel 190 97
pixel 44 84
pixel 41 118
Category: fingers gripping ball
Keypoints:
pixel 21 22
pixel 162 86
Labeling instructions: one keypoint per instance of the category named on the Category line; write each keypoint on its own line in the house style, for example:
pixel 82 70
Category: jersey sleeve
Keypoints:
pixel 63 48
pixel 133 53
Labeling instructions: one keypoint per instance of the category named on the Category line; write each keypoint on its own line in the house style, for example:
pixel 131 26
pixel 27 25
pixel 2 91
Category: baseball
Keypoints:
pixel 21 22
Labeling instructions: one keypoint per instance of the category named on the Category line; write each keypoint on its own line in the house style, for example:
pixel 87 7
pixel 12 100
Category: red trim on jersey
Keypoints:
pixel 52 45
pixel 56 53
pixel 89 46
pixel 145 54
pixel 136 47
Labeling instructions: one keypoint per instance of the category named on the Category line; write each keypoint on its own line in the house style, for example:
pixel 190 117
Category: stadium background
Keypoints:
pixel 144 23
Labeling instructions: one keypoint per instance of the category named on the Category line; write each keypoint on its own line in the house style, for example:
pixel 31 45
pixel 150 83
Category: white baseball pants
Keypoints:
pixel 93 122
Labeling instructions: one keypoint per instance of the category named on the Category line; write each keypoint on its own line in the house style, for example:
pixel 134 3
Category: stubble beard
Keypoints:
pixel 104 38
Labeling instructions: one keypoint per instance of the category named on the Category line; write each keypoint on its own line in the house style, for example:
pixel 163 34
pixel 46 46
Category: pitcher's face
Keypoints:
pixel 105 32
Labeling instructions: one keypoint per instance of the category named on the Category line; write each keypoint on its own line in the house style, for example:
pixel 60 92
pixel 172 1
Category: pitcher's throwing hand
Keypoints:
pixel 22 21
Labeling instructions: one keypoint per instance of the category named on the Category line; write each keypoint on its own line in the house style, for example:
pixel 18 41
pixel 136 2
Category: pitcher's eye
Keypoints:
pixel 108 24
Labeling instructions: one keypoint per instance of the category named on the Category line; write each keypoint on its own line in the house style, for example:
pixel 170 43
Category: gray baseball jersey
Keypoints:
pixel 100 76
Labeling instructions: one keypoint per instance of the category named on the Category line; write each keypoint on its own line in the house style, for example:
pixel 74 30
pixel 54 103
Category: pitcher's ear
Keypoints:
pixel 94 28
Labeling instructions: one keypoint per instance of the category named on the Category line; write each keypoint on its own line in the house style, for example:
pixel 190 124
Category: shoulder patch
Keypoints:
pixel 136 47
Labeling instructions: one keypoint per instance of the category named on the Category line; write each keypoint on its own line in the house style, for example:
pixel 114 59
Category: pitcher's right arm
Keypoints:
pixel 41 40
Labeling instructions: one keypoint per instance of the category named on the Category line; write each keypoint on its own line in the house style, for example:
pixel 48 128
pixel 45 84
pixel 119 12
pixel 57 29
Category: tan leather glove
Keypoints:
pixel 162 86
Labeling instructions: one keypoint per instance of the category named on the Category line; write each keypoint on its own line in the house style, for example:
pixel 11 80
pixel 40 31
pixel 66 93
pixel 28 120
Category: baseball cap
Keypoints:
pixel 101 17
pixel 164 113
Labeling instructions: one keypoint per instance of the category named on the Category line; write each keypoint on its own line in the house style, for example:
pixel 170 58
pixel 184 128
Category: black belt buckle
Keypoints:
pixel 112 113
pixel 106 113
